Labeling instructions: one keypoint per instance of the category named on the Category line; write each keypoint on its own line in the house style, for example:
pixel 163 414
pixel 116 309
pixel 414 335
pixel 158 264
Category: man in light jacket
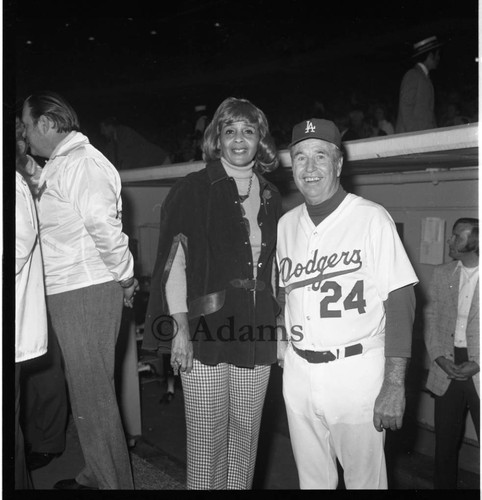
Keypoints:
pixel 30 309
pixel 417 98
pixel 45 405
pixel 453 345
pixel 89 277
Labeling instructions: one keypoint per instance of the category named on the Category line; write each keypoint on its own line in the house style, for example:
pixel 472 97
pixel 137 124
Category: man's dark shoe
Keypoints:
pixel 36 460
pixel 71 484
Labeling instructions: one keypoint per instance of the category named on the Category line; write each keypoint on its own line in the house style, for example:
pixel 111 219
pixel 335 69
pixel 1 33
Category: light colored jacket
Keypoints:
pixel 30 309
pixel 440 320
pixel 80 211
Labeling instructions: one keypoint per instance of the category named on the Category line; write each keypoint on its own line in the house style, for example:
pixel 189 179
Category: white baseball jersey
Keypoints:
pixel 336 275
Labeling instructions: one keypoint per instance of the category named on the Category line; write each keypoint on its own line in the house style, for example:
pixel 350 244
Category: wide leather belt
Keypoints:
pixel 248 284
pixel 327 356
pixel 206 304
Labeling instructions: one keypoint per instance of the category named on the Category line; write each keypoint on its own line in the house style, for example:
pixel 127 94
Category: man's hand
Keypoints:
pixel 466 370
pixel 451 369
pixel 129 293
pixel 390 403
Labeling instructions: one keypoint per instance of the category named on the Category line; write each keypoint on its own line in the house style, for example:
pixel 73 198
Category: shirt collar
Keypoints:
pixel 470 271
pixel 424 68
pixel 216 173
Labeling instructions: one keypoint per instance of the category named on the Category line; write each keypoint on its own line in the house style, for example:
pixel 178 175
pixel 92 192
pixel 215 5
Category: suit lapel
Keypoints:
pixel 474 306
pixel 454 279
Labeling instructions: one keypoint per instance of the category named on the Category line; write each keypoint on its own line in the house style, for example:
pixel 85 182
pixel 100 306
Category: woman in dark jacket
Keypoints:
pixel 212 299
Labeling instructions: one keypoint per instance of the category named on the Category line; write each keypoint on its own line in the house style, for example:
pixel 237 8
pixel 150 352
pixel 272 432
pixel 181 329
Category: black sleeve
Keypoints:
pixel 400 314
pixel 157 325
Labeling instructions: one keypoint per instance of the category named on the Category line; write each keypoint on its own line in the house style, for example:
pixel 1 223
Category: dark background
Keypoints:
pixel 150 68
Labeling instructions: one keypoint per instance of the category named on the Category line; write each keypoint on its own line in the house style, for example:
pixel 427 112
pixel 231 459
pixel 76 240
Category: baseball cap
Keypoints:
pixel 316 128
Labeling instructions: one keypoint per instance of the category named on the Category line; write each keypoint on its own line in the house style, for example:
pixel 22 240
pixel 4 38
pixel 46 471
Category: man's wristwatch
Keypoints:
pixel 127 282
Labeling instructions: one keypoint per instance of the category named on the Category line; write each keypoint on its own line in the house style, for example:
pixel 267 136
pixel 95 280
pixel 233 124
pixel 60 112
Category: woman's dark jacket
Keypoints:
pixel 202 212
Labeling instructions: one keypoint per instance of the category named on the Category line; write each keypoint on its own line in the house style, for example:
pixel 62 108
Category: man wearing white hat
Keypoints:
pixel 416 101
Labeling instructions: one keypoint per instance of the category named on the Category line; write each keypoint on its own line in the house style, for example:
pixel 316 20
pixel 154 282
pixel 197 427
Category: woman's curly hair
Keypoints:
pixel 233 110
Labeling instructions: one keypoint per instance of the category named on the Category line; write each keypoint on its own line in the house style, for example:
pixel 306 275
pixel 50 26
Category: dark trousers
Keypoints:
pixel 450 415
pixel 45 403
pixel 87 322
pixel 22 477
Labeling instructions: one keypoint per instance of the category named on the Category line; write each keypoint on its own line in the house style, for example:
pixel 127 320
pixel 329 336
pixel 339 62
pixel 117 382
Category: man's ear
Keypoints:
pixel 45 124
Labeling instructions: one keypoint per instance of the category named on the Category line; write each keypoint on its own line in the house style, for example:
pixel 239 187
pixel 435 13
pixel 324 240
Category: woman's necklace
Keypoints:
pixel 244 197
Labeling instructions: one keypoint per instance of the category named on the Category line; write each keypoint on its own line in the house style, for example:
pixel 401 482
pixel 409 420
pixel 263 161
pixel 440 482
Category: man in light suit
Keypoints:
pixel 416 100
pixel 452 340
pixel 89 277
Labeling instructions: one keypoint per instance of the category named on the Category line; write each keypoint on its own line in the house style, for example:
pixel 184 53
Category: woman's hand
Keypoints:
pixel 282 339
pixel 181 348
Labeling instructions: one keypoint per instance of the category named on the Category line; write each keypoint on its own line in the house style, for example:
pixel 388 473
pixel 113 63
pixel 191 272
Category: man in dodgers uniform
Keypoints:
pixel 349 310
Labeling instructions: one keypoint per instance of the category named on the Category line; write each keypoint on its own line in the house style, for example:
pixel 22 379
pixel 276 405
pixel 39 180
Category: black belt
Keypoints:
pixel 327 356
pixel 248 284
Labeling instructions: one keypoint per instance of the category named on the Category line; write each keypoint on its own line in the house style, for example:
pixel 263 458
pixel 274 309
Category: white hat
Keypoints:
pixel 426 45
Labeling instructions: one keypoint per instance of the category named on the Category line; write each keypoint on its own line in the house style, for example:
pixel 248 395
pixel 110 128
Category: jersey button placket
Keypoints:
pixel 309 299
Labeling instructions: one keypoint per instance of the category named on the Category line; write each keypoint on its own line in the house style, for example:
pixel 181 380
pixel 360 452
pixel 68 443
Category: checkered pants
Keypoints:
pixel 223 405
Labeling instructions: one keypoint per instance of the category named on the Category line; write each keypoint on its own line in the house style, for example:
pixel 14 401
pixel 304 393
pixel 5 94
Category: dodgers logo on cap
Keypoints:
pixel 309 127
pixel 316 128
